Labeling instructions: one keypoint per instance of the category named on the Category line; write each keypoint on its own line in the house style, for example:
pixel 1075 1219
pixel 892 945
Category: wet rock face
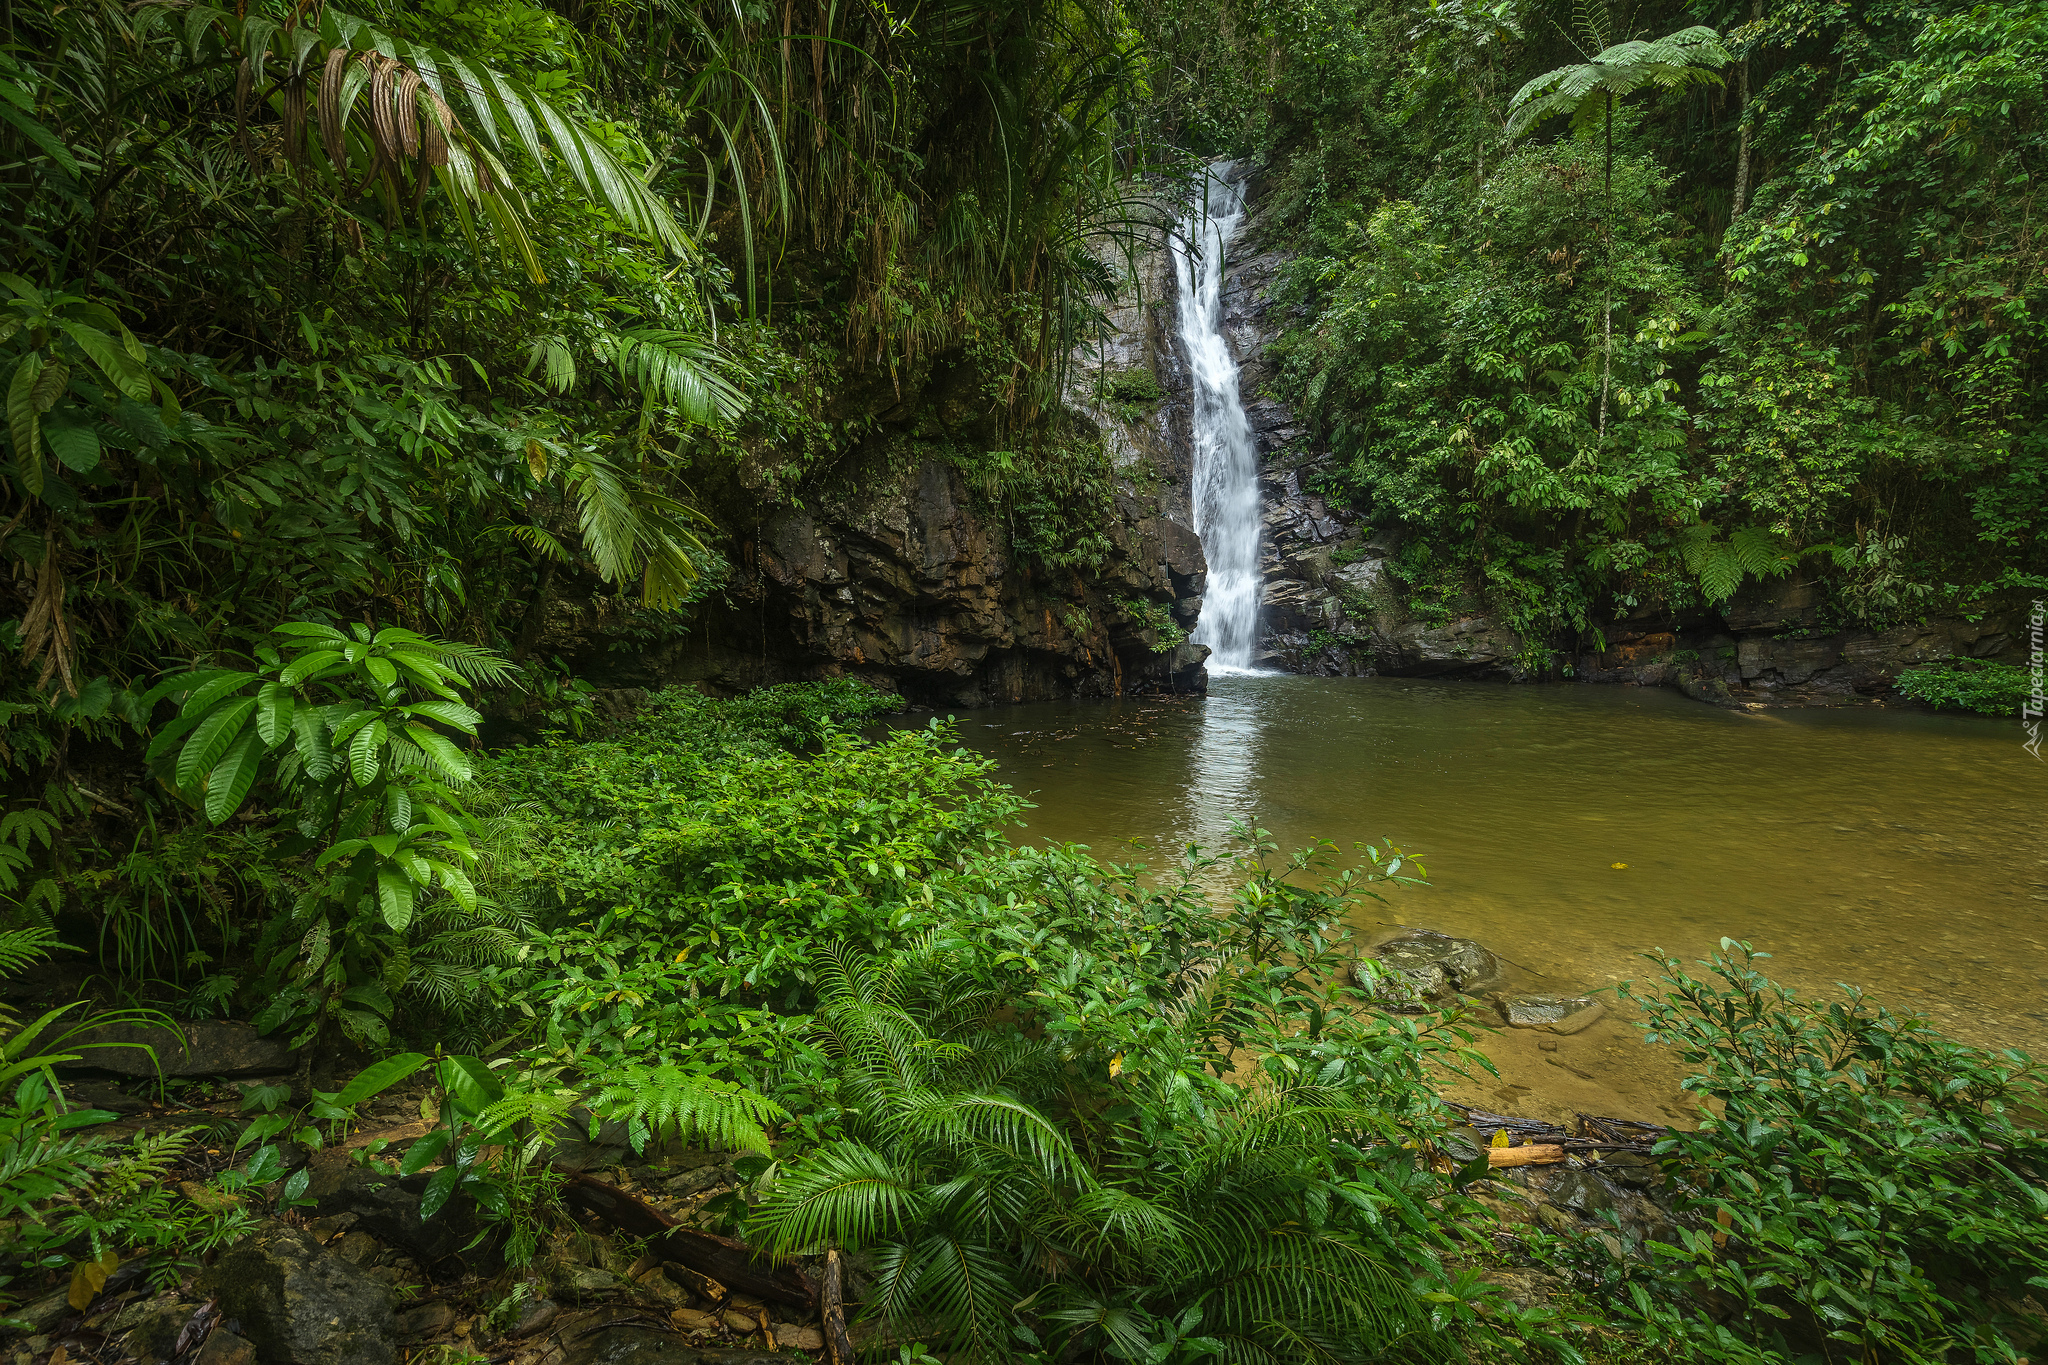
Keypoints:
pixel 300 1307
pixel 1770 645
pixel 1564 1014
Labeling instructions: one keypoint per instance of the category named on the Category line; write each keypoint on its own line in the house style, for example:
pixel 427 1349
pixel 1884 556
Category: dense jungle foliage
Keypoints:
pixel 337 343
pixel 1613 308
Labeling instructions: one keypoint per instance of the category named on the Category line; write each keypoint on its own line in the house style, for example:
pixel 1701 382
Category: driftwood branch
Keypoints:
pixel 1542 1154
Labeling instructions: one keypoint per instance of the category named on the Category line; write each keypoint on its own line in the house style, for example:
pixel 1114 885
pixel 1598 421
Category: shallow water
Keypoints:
pixel 1902 852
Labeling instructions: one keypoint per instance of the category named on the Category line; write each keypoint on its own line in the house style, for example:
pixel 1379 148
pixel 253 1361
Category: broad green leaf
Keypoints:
pixel 398 807
pixel 435 1197
pixel 274 708
pixel 380 1078
pixel 443 751
pixel 76 445
pixel 469 1083
pixel 459 886
pixel 24 424
pixel 122 370
pixel 232 777
pixel 362 753
pixel 449 713
pixel 309 629
pixel 309 738
pixel 394 897
pixel 306 666
pixel 422 1154
pixel 210 739
pixel 213 689
pixel 180 684
pixel 347 848
pixel 167 737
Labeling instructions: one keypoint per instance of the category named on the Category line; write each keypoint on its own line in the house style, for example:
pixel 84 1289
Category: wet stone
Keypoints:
pixel 429 1319
pixel 227 1348
pixel 1581 1192
pixel 1565 1014
pixel 589 1279
pixel 1424 967
pixel 536 1316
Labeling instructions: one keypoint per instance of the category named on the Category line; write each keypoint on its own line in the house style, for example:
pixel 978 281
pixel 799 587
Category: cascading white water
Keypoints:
pixel 1226 474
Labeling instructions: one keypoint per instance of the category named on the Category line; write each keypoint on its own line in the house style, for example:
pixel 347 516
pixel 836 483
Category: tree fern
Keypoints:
pixel 1748 552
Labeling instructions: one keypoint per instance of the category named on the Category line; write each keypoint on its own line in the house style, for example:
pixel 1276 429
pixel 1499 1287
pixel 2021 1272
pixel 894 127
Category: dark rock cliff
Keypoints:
pixel 903 577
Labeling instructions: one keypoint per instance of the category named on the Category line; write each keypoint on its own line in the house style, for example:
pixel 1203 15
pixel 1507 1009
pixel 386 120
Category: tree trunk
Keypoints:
pixel 535 619
pixel 1607 324
pixel 1756 12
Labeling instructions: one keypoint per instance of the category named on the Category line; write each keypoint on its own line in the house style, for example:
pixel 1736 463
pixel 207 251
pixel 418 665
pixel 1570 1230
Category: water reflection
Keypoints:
pixel 1224 785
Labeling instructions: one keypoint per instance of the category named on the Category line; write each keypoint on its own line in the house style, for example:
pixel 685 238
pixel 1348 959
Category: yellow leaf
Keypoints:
pixel 537 459
pixel 87 1279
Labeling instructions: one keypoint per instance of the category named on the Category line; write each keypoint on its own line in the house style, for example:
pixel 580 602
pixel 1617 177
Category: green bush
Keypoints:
pixel 1101 1115
pixel 1865 1188
pixel 1989 689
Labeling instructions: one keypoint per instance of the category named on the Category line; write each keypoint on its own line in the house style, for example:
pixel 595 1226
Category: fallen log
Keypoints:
pixel 1534 1154
pixel 832 1306
pixel 732 1264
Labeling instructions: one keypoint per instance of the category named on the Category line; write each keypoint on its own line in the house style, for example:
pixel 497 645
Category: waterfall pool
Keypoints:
pixel 1902 852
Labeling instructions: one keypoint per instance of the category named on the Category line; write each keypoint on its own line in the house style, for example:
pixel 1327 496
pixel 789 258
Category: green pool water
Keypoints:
pixel 1902 852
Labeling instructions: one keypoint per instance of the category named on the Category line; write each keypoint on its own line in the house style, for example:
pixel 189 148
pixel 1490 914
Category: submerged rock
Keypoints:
pixel 1424 967
pixel 1558 1013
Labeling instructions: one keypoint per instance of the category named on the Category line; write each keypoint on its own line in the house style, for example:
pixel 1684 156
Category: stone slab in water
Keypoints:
pixel 1557 1013
pixel 1425 966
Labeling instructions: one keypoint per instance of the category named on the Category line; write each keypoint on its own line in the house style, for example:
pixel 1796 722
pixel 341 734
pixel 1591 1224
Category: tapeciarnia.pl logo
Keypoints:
pixel 2032 707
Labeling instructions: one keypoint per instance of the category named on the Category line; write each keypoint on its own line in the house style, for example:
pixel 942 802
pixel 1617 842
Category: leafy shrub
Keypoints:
pixel 348 733
pixel 1156 617
pixel 1989 689
pixel 1867 1189
pixel 1102 1117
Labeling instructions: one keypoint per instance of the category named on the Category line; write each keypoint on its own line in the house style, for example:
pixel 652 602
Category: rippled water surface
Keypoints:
pixel 1903 852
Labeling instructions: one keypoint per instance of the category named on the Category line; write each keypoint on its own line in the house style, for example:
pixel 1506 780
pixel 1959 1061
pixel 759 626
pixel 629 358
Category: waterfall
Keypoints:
pixel 1226 474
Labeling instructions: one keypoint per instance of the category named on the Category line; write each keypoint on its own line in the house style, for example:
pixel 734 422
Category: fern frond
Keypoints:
pixel 669 1101
pixel 20 947
pixel 479 666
